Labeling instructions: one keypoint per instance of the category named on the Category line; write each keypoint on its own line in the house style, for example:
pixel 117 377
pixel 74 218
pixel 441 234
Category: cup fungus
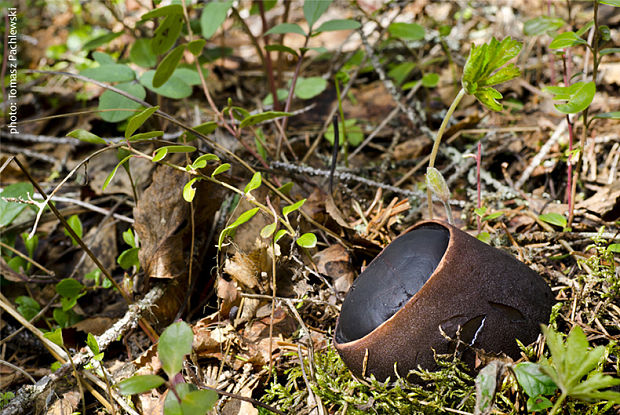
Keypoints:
pixel 436 278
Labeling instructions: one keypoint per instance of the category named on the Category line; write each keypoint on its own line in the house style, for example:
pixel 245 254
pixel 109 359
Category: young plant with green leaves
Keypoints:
pixel 182 398
pixel 485 68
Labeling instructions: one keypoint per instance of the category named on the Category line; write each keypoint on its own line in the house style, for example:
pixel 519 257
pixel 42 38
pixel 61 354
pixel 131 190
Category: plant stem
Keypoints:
pixel 345 141
pixel 557 404
pixel 268 65
pixel 569 165
pixel 442 128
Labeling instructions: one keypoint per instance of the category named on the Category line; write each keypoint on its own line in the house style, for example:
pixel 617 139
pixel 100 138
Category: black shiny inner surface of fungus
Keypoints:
pixel 390 280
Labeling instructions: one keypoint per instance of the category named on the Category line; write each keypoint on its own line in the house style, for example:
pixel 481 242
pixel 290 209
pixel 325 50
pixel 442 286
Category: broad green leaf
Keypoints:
pixel 111 100
pixel 554 219
pixel 141 53
pixel 313 9
pixel 189 191
pixel 533 380
pixel 400 72
pixel 267 5
pixel 202 161
pixel 492 216
pixel 609 51
pixel 10 210
pixel 27 307
pixel 263 116
pixel 220 169
pixel 254 183
pixel 69 287
pixel 286 28
pixel 206 128
pixel 483 61
pixel 129 238
pixel 113 172
pixel 195 46
pixel 608 115
pixel 578 96
pixel 614 248
pixel 172 406
pixel 504 74
pixel 268 230
pixel 406 31
pixel 542 24
pixel 139 384
pixel 175 87
pixel 175 342
pixel 167 66
pixel 286 188
pixel 281 48
pixel 488 97
pixel 307 88
pixel 137 120
pixel 213 15
pixel 86 136
pixel 291 208
pixel 76 225
pixel 566 40
pixel 128 258
pixel 538 403
pixel 615 3
pixel 91 342
pixel 354 136
pixel 167 33
pixel 243 218
pixel 55 336
pixel 116 72
pixel 430 80
pixel 100 40
pixel 282 95
pixel 198 402
pixel 307 240
pixel 338 24
pixel 437 184
pixel 585 28
pixel 163 11
pixel 484 237
pixel 103 58
pixel 161 152
pixel 146 136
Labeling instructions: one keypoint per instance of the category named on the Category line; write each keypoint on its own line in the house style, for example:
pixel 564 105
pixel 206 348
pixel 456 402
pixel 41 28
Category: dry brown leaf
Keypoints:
pixel 335 262
pixel 243 269
pixel 66 405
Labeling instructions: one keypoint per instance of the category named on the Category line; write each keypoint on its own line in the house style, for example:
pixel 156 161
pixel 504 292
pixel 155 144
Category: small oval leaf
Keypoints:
pixel 139 384
pixel 307 240
pixel 175 342
pixel 86 136
pixel 254 183
pixel 220 169
pixel 554 219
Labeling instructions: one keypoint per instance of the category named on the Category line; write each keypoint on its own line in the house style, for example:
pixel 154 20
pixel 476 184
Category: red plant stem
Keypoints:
pixel 569 180
pixel 478 162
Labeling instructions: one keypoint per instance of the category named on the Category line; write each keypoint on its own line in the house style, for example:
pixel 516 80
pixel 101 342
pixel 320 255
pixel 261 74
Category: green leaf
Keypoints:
pixel 69 288
pixel 220 169
pixel 243 218
pixel 202 161
pixel 566 40
pixel 400 72
pixel 167 33
pixel 76 225
pixel 146 136
pixel 91 342
pixel 139 384
pixel 113 172
pixel 307 88
pixel 162 152
pixel 533 380
pixel 406 31
pixel 554 219
pixel 268 230
pixel 283 28
pixel 27 307
pixel 282 95
pixel 129 258
pixel 578 96
pixel 206 128
pixel 486 387
pixel 213 15
pixel 281 48
pixel 103 58
pixel 86 136
pixel 492 216
pixel 614 248
pixel 313 9
pixel 538 403
pixel 484 237
pixel 279 235
pixel 167 66
pixel 137 120
pixel 307 240
pixel 615 115
pixel 100 40
pixel 189 191
pixel 286 188
pixel 615 3
pixel 198 402
pixel 141 53
pixel 129 238
pixel 483 61
pixel 437 184
pixel 254 183
pixel 172 406
pixel 354 136
pixel 195 46
pixel 542 24
pixel 175 87
pixel 55 336
pixel 585 28
pixel 111 100
pixel 163 11
pixel 430 80
pixel 291 208
pixel 338 24
pixel 504 74
pixel 10 210
pixel 263 116
pixel 175 342
pixel 488 97
pixel 116 72
pixel 609 51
